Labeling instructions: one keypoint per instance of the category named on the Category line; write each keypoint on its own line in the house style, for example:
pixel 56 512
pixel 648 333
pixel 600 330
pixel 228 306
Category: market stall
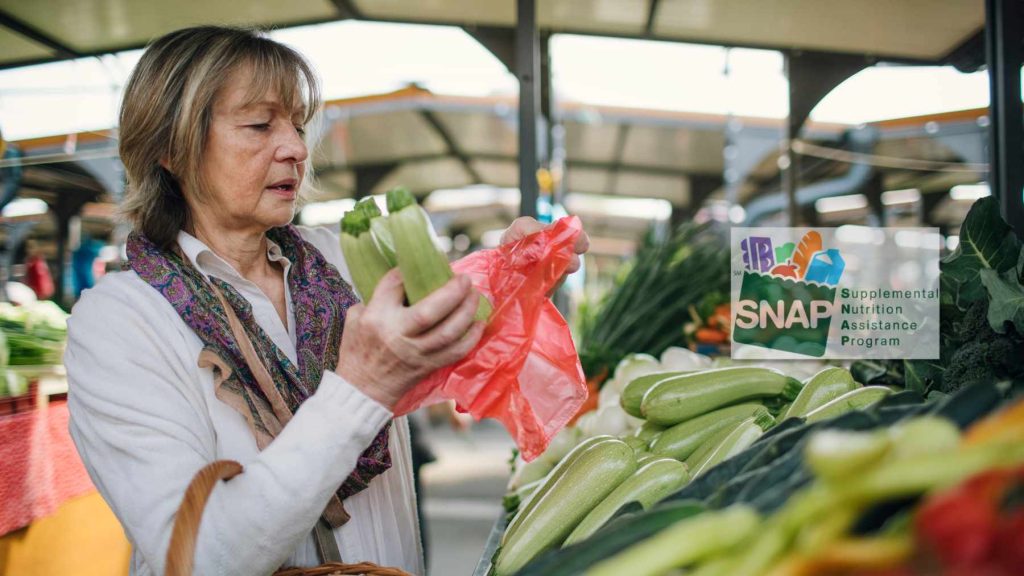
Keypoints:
pixel 49 502
pixel 682 458
pixel 905 467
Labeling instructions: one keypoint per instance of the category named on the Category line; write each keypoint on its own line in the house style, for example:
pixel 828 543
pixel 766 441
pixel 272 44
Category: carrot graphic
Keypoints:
pixel 809 245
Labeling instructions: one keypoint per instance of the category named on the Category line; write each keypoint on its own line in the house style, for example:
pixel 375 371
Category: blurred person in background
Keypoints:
pixel 236 335
pixel 83 265
pixel 37 272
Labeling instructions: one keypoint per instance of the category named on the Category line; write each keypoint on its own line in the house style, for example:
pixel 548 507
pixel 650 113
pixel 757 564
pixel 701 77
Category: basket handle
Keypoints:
pixel 182 550
pixel 181 553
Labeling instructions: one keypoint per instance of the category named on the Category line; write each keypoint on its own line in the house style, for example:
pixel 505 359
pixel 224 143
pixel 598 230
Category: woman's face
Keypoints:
pixel 254 160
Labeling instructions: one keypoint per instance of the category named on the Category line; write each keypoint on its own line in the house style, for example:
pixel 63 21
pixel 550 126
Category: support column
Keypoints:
pixel 528 72
pixel 368 176
pixel 811 75
pixel 1004 28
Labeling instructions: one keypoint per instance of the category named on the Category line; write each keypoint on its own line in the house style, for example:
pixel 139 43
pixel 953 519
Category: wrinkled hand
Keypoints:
pixel 388 347
pixel 524 226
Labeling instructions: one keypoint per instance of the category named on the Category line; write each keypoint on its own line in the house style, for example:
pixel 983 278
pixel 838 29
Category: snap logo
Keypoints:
pixel 788 294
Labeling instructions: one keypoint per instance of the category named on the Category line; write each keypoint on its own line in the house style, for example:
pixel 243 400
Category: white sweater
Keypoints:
pixel 145 419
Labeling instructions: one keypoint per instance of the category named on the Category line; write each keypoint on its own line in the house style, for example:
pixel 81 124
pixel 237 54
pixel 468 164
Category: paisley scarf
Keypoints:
pixel 320 298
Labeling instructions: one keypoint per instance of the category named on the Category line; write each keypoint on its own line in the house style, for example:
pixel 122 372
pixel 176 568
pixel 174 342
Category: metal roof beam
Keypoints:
pixel 969 56
pixel 665 171
pixel 701 186
pixel 449 141
pixel 811 75
pixel 617 154
pixel 652 13
pixel 499 41
pixel 31 32
pixel 347 10
pixel 369 176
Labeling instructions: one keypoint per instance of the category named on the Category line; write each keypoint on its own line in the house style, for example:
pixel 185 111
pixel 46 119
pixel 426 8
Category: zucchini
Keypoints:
pixel 424 267
pixel 721 566
pixel 620 533
pixel 820 389
pixel 839 454
pixel 642 459
pixel 637 444
pixel 737 440
pixel 680 398
pixel 365 262
pixel 854 400
pixel 529 472
pixel 379 230
pixel 684 543
pixel 556 510
pixel 684 438
pixel 760 553
pixel 516 498
pixel 552 476
pixel 924 435
pixel 650 484
pixel 633 393
pixel 648 431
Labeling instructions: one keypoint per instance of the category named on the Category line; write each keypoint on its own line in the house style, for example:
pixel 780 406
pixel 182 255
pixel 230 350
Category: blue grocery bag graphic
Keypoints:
pixel 826 267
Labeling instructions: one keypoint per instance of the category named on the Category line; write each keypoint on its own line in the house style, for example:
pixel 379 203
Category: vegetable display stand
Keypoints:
pixel 484 567
pixel 22 403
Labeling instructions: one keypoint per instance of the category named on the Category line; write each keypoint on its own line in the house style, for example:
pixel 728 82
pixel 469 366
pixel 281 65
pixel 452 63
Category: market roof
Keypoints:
pixel 431 142
pixel 47 30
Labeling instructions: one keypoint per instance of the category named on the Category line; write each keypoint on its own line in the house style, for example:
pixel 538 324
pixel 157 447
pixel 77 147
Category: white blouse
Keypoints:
pixel 145 419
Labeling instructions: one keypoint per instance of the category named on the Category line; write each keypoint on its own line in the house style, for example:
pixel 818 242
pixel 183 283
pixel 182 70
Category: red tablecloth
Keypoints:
pixel 39 467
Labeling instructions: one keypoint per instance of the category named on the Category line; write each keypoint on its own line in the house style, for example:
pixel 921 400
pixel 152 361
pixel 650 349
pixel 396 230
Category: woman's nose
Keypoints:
pixel 292 148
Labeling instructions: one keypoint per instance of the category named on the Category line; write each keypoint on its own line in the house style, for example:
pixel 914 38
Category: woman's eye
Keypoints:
pixel 300 129
pixel 263 127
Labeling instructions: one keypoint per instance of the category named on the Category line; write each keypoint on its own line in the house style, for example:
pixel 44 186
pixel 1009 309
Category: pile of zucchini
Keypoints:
pixel 806 497
pixel 685 423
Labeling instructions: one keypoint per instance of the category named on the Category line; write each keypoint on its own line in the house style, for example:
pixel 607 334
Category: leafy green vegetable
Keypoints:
pixel 651 300
pixel 986 242
pixel 35 333
pixel 1007 299
pixel 982 313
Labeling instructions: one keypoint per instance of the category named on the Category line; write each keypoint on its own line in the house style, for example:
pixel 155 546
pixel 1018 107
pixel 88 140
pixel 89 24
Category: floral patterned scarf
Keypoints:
pixel 320 298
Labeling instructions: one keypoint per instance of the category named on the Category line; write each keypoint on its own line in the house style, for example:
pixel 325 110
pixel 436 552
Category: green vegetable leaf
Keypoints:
pixel 877 372
pixel 986 242
pixel 922 375
pixel 1006 302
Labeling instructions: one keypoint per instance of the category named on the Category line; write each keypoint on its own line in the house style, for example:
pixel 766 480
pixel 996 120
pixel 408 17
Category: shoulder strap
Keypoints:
pixel 326 545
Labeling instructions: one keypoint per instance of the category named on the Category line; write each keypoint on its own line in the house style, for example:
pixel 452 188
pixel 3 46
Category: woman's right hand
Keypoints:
pixel 388 347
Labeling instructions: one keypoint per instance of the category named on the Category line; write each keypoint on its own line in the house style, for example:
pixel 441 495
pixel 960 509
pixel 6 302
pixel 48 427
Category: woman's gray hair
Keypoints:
pixel 166 111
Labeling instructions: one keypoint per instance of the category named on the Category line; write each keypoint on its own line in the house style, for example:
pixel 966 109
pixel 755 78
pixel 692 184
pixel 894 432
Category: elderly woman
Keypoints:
pixel 235 335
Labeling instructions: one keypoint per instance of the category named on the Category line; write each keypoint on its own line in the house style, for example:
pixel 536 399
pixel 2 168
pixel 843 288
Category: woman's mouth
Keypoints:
pixel 284 188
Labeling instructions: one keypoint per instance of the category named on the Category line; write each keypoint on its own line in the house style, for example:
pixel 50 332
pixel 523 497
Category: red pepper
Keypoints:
pixel 977 528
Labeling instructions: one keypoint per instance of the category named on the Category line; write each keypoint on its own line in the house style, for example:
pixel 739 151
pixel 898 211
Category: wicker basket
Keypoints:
pixel 181 553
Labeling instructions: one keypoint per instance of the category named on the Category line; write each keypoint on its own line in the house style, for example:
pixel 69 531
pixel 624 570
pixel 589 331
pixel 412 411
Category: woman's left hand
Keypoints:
pixel 524 226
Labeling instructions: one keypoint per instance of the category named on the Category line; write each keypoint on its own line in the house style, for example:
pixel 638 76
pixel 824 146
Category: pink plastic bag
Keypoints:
pixel 525 371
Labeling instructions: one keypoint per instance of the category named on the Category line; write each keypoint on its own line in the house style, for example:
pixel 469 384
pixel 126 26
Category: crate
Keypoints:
pixel 26 402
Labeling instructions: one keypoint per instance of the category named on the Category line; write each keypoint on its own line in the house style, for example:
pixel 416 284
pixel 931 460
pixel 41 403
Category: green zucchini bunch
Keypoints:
pixel 373 244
